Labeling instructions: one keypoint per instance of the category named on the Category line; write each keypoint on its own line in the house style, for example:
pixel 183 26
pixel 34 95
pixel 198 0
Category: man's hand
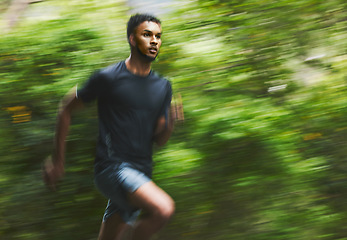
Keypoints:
pixel 176 110
pixel 52 173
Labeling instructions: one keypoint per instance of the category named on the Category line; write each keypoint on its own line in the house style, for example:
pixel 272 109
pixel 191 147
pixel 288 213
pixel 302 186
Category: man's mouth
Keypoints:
pixel 153 50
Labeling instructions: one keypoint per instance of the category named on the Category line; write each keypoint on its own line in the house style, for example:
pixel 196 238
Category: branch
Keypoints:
pixel 15 10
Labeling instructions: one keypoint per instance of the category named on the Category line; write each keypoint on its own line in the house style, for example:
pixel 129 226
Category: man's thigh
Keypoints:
pixel 151 198
pixel 116 182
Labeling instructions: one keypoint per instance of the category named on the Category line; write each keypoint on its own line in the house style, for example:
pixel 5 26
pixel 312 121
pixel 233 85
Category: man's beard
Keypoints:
pixel 146 57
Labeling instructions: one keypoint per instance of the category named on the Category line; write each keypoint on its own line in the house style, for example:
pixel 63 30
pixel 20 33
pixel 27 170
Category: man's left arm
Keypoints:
pixel 165 126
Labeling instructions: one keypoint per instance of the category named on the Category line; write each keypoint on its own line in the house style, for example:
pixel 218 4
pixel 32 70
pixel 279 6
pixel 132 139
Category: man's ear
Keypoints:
pixel 132 40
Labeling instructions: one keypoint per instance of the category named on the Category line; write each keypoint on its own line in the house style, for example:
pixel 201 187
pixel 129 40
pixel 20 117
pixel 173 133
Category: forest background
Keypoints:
pixel 262 152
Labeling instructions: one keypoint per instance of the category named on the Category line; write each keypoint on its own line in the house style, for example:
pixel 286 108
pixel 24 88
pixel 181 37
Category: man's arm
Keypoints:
pixel 54 166
pixel 164 126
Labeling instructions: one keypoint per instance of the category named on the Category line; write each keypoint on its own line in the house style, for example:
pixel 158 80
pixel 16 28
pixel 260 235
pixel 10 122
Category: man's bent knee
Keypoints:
pixel 165 212
pixel 154 201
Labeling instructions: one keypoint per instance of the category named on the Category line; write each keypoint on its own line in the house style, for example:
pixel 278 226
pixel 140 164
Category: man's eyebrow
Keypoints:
pixel 149 31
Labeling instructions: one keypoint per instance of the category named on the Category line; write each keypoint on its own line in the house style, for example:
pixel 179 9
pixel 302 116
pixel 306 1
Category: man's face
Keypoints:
pixel 148 39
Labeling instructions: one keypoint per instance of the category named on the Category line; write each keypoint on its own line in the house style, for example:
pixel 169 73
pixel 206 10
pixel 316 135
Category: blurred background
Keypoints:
pixel 262 153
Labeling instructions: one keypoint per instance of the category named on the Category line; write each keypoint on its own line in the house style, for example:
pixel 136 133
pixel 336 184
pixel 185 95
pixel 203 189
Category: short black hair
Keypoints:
pixel 137 19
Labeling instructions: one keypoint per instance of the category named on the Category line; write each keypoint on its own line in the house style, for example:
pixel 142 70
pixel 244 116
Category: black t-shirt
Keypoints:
pixel 128 107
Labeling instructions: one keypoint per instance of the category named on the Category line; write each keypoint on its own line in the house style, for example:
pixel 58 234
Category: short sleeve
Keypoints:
pixel 92 88
pixel 164 111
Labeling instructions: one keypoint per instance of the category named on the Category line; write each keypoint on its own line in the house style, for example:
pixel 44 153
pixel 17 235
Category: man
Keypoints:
pixel 134 111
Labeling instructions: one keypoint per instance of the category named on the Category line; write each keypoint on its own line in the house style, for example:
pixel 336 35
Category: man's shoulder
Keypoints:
pixel 162 83
pixel 112 69
pixel 157 76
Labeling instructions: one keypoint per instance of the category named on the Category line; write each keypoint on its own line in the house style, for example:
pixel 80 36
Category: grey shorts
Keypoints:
pixel 115 182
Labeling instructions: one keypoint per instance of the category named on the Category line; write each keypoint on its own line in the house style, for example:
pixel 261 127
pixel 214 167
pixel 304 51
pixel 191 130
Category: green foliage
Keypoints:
pixel 261 154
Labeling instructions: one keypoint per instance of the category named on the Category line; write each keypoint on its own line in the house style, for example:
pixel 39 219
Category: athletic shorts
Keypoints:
pixel 115 182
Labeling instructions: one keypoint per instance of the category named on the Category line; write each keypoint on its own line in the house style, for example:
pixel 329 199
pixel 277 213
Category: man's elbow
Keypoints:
pixel 160 142
pixel 163 137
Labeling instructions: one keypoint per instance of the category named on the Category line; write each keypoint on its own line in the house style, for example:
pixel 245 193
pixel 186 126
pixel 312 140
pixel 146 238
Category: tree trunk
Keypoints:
pixel 14 11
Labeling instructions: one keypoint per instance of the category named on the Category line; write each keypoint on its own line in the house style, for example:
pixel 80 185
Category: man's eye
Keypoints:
pixel 146 34
pixel 158 36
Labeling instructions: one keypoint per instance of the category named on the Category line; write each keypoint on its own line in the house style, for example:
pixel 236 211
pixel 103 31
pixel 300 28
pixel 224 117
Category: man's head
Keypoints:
pixel 144 35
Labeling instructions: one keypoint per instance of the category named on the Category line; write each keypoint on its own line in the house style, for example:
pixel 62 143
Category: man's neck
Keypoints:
pixel 137 66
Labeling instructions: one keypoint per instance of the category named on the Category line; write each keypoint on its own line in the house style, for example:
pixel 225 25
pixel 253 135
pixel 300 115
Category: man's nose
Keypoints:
pixel 154 41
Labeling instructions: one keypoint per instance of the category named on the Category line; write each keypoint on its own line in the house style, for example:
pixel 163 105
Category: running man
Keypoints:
pixel 134 112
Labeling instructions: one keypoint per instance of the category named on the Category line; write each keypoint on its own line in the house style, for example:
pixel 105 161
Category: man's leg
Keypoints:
pixel 113 228
pixel 158 207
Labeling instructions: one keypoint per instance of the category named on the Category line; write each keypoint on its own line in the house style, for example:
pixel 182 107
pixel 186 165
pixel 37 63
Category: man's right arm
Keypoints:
pixel 54 166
